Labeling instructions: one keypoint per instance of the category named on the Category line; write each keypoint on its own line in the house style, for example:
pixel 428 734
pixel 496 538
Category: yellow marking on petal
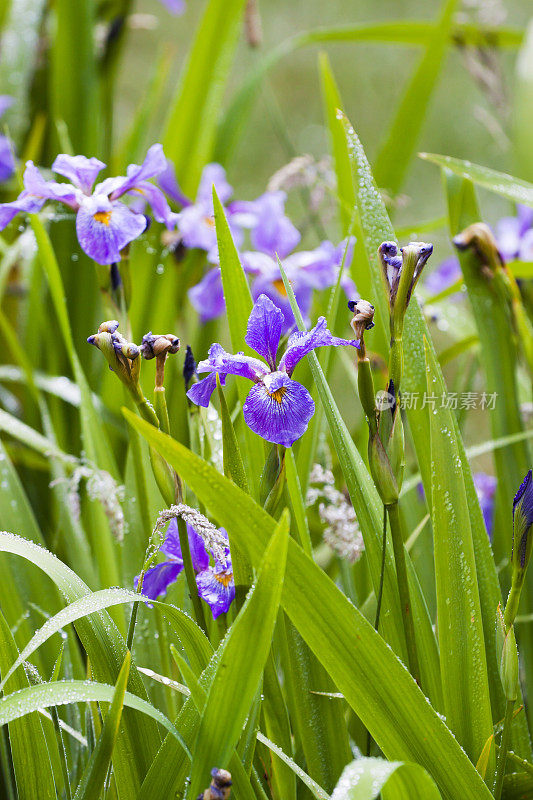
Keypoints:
pixel 279 286
pixel 278 394
pixel 103 216
pixel 210 221
pixel 224 578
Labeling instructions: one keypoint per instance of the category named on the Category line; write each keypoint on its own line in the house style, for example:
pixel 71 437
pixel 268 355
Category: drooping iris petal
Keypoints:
pixel 157 579
pixel 7 161
pixel 265 325
pixel 278 409
pixel 302 342
pixel 200 393
pixel 80 170
pixel 24 204
pixel 207 297
pixel 105 228
pixel 171 547
pixel 158 203
pixel 217 587
pixel 228 364
pixel 38 187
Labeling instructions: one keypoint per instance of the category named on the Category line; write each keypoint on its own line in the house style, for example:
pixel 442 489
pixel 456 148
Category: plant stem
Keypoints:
pixel 382 572
pixel 189 575
pixel 502 752
pixel 403 589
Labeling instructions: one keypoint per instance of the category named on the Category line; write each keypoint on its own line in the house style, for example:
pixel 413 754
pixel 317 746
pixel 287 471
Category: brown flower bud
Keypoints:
pixel 154 345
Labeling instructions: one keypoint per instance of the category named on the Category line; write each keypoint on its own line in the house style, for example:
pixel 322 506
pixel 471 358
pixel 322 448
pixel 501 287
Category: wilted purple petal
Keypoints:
pixel 7 161
pixel 264 329
pixel 105 228
pixel 217 587
pixel 207 297
pixel 278 409
pixel 303 342
pixel 80 170
pixel 157 579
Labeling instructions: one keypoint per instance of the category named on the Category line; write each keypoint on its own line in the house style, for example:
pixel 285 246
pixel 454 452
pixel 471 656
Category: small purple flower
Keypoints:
pixel 277 408
pixel 196 222
pixel 515 235
pixel 174 6
pixel 103 224
pixel 7 161
pixel 215 583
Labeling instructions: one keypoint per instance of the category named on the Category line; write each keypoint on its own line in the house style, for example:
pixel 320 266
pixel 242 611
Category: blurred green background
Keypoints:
pixel 464 119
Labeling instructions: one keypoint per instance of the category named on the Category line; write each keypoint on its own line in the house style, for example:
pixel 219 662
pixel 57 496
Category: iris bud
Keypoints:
pixel 507 656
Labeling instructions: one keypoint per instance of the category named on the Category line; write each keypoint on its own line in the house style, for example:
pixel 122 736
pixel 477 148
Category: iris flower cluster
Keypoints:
pixel 277 408
pixel 215 583
pixel 104 223
pixel 7 162
pixel 272 235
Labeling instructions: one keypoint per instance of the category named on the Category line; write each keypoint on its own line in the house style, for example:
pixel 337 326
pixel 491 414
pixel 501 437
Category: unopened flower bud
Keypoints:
pixel 507 656
pixel 108 327
pixel 154 345
pixel 401 271
pixel 121 355
pixel 481 239
pixel 522 544
pixel 220 788
pixel 189 367
pixel 363 319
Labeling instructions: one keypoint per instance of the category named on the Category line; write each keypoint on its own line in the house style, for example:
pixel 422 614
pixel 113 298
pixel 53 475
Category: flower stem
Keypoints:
pixel 502 751
pixel 403 589
pixel 382 572
pixel 189 575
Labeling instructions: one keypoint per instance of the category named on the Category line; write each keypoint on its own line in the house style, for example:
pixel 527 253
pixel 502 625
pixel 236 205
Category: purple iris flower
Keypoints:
pixel 272 232
pixel 215 583
pixel 307 270
pixel 196 221
pixel 7 161
pixel 277 408
pixel 174 6
pixel 515 235
pixel 103 224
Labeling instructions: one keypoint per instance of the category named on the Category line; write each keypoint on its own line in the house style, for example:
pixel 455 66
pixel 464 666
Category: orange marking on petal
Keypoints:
pixel 103 216
pixel 279 286
pixel 278 394
pixel 210 221
pixel 224 578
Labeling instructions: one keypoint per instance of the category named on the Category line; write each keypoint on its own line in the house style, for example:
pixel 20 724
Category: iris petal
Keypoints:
pixel 264 329
pixel 104 229
pixel 158 579
pixel 278 409
pixel 217 587
pixel 80 170
pixel 303 342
